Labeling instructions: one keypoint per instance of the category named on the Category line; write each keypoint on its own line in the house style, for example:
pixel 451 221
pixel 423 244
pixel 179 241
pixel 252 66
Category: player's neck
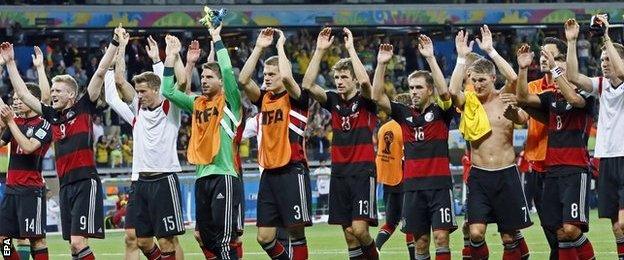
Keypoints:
pixel 155 104
pixel 279 90
pixel 348 95
pixel 615 81
pixel 424 105
pixel 488 98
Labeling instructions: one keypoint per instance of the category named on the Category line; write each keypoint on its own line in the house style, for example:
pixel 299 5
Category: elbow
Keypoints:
pixel 243 79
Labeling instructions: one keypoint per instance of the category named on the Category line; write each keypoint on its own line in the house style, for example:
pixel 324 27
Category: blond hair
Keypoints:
pixel 67 79
pixel 483 66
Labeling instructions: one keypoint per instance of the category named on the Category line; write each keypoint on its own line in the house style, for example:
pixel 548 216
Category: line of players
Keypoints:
pixel 561 100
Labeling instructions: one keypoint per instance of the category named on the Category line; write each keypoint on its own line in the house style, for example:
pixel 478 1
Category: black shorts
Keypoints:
pixel 217 198
pixel 130 218
pixel 496 196
pixel 427 210
pixel 611 187
pixel 352 197
pixel 285 197
pixel 565 199
pixel 82 209
pixel 23 215
pixel 158 206
pixel 240 221
pixel 393 200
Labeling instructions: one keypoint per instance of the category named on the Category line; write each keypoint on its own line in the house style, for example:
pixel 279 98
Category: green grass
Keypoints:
pixel 327 243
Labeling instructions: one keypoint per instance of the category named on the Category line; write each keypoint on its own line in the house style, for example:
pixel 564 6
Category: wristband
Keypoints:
pixel 461 61
pixel 115 42
pixel 556 72
pixel 492 53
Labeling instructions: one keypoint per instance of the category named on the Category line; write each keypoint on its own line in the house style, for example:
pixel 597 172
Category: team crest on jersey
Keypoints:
pixel 70 113
pixel 429 116
pixel 29 132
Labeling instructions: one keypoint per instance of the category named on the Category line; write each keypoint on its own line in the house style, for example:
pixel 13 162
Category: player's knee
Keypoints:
pixel 441 238
pixel 296 232
pixel 422 243
pixel 145 243
pixel 166 244
pixel 265 237
pixel 38 243
pixel 77 243
pixel 508 238
pixel 570 231
pixel 360 231
pixel 131 242
pixel 477 234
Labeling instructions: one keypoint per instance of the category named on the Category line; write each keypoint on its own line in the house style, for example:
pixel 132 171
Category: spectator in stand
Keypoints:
pixel 52 213
pixel 126 150
pixel 116 156
pixel 322 186
pixel 102 149
pixel 98 128
pixel 583 46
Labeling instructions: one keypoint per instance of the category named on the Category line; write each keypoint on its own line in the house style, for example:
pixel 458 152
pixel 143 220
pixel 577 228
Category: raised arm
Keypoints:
pixel 323 42
pixel 360 72
pixel 230 86
pixel 154 53
pixel 111 96
pixel 456 88
pixel 167 88
pixel 211 54
pixel 572 72
pixel 567 89
pixel 378 94
pixel 44 85
pixel 192 55
pixel 27 145
pixel 486 44
pixel 6 50
pixel 425 47
pixel 614 58
pixel 525 58
pixel 95 85
pixel 285 68
pixel 180 74
pixel 127 91
pixel 265 38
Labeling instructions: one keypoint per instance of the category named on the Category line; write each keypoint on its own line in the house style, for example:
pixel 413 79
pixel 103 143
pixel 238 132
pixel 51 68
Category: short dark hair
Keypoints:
pixel 344 64
pixel 152 80
pixel 214 67
pixel 34 89
pixel 562 46
pixel 422 74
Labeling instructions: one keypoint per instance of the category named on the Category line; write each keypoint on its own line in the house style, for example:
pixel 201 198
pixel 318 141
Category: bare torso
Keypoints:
pixel 495 150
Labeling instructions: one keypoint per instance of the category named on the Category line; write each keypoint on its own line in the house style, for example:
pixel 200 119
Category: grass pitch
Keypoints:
pixel 327 243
